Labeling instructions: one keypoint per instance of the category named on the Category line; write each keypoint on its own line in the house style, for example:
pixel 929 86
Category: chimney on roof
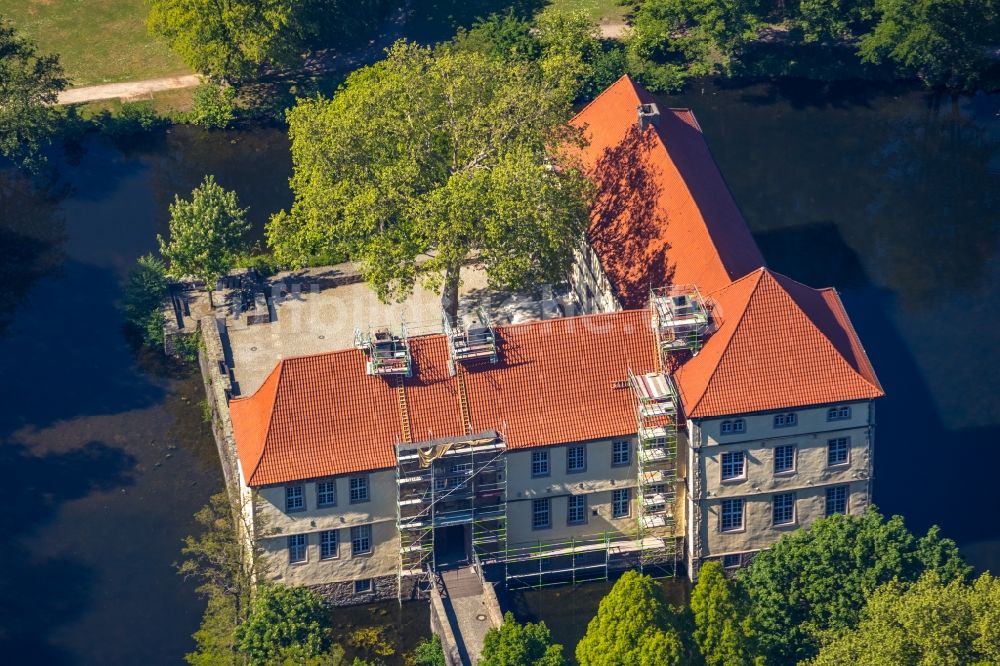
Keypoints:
pixel 649 114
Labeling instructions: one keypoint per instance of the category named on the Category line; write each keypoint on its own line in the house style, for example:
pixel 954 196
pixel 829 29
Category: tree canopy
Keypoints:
pixel 142 297
pixel 284 622
pixel 943 42
pixel 930 622
pixel 206 234
pixel 721 618
pixel 29 85
pixel 634 626
pixel 429 159
pixel 817 580
pixel 514 644
pixel 228 39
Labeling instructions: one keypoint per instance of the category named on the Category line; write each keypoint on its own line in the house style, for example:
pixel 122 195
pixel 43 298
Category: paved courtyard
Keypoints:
pixel 318 310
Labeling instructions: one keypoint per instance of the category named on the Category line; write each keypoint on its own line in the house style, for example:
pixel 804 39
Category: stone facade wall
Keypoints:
pixel 343 594
pixel 589 282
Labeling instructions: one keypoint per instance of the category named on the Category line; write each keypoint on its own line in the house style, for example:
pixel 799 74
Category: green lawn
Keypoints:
pixel 98 41
pixel 599 9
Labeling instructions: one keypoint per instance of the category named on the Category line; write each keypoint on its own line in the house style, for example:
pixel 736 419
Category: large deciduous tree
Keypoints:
pixel 226 39
pixel 943 42
pixel 817 580
pixel 428 159
pixel 930 622
pixel 721 619
pixel 206 234
pixel 285 623
pixel 634 626
pixel 29 85
pixel 514 644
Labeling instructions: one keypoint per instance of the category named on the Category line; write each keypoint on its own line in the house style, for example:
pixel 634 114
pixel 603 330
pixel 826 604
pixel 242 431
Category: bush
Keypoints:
pixel 283 619
pixel 429 652
pixel 214 106
pixel 606 68
pixel 142 297
pixel 133 118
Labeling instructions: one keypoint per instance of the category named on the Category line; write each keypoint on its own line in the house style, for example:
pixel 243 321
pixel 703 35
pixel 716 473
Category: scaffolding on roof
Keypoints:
pixel 471 341
pixel 656 417
pixel 680 318
pixel 455 481
pixel 387 353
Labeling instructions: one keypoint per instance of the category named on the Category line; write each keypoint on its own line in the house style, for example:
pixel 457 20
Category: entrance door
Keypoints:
pixel 451 546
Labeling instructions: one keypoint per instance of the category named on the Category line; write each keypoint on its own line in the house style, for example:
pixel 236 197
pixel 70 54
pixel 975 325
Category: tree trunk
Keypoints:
pixel 449 292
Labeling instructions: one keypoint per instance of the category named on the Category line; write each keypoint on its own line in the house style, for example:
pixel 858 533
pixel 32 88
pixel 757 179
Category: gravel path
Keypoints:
pixel 127 89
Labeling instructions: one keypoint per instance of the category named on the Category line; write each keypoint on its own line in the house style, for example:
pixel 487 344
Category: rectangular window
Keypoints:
pixel 362 586
pixel 621 503
pixel 295 498
pixel 297 548
pixel 576 459
pixel 841 413
pixel 541 514
pixel 328 543
pixel 576 509
pixel 786 420
pixel 621 453
pixel 783 509
pixel 361 540
pixel 734 465
pixel 838 451
pixel 836 500
pixel 359 489
pixel 732 515
pixel 440 483
pixel 539 463
pixel 326 493
pixel 731 561
pixel 733 427
pixel 784 459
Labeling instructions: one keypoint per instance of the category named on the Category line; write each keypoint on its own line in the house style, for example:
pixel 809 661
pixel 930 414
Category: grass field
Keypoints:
pixel 598 9
pixel 98 41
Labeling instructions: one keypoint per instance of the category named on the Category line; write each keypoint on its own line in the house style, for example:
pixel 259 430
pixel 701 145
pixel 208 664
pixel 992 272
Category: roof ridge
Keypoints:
pixel 817 329
pixel 602 93
pixel 272 407
pixel 758 273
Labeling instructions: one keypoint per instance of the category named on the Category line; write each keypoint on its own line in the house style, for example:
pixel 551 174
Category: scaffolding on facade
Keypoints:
pixel 471 341
pixel 387 353
pixel 449 482
pixel 680 318
pixel 656 416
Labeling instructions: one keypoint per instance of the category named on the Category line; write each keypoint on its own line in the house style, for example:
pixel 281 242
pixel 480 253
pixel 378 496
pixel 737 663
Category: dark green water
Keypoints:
pixel 892 196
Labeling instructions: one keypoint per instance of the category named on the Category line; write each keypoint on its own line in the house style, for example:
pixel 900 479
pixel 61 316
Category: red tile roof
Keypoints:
pixel 781 344
pixel 557 381
pixel 663 214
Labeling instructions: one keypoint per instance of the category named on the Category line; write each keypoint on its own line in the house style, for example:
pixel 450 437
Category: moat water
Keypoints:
pixel 889 194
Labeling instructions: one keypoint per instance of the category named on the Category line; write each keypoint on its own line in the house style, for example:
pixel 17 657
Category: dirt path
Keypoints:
pixel 127 89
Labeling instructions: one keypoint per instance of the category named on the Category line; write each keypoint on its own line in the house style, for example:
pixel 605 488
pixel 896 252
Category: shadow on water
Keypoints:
pixel 39 594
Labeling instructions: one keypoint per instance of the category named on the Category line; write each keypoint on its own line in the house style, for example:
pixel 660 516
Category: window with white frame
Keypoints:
pixel 362 586
pixel 783 509
pixel 838 451
pixel 361 540
pixel 576 509
pixel 621 502
pixel 539 463
pixel 786 420
pixel 733 427
pixel 841 413
pixel 731 518
pixel 836 500
pixel 734 465
pixel 295 498
pixel 731 561
pixel 576 458
pixel 440 483
pixel 297 548
pixel 784 458
pixel 541 513
pixel 621 453
pixel 359 489
pixel 326 493
pixel 328 543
